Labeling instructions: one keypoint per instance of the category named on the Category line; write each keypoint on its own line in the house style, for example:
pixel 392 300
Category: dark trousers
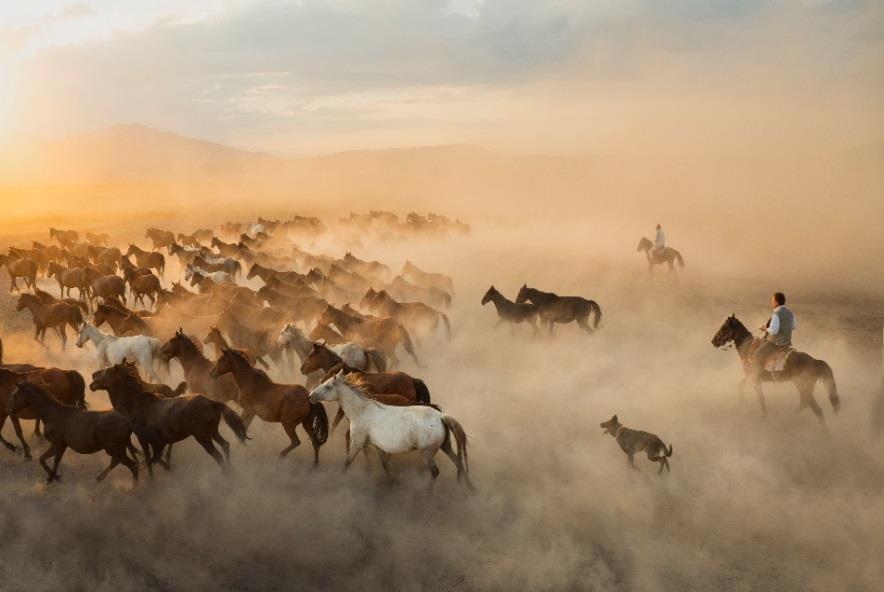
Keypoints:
pixel 764 350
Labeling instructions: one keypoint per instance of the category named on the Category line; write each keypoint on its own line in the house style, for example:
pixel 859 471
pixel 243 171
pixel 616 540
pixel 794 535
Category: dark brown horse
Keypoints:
pixel 197 368
pixel 287 404
pixel 384 334
pixel 122 322
pixel 149 259
pixel 561 309
pixel 800 369
pixel 668 255
pixel 54 316
pixel 167 421
pixel 66 386
pixel 86 432
pixel 511 312
pixel 143 284
pixel 392 383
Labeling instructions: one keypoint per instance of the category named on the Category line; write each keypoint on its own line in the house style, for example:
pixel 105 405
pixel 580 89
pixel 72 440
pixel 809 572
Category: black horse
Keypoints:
pixel 800 369
pixel 561 309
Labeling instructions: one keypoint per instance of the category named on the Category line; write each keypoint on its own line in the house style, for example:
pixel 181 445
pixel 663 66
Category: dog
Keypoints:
pixel 634 441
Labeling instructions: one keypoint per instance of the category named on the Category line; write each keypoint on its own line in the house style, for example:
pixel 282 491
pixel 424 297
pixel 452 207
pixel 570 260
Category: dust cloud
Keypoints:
pixel 750 504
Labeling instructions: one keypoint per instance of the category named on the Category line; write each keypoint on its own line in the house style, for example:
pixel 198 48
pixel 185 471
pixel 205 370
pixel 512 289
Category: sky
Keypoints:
pixel 564 76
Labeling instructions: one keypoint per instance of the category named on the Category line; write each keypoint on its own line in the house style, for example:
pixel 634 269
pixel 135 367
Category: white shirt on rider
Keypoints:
pixel 660 240
pixel 774 326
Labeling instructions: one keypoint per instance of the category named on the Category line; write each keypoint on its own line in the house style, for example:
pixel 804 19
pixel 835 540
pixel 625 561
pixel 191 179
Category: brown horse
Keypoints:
pixel 384 334
pixel 393 383
pixel 668 255
pixel 370 269
pixel 197 368
pixel 402 289
pixel 142 284
pixel 66 238
pixel 109 287
pixel 322 332
pixel 428 279
pixel 97 239
pixel 800 369
pixel 74 277
pixel 561 309
pixel 86 432
pixel 121 322
pixel 216 338
pixel 20 268
pixel 416 316
pixel 54 316
pixel 511 312
pixel 66 386
pixel 149 259
pixel 160 238
pixel 169 420
pixel 287 404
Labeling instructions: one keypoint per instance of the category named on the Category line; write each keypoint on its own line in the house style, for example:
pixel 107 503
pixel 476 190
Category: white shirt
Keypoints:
pixel 774 327
pixel 661 238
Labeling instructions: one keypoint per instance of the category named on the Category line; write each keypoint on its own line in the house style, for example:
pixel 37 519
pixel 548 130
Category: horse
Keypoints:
pixel 668 255
pixel 197 368
pixel 65 238
pixel 75 277
pixel 354 355
pixel 66 386
pixel 123 323
pixel 216 338
pixel 416 316
pixel 511 312
pixel 427 279
pixel 109 287
pixel 553 308
pixel 800 369
pixel 396 430
pixel 287 404
pixel 232 267
pixel 160 238
pixel 185 255
pixel 323 332
pixel 196 275
pixel 372 269
pixel 97 239
pixel 86 432
pixel 265 273
pixel 56 316
pixel 112 350
pixel 169 420
pixel 384 334
pixel 259 341
pixel 148 259
pixel 402 289
pixel 20 268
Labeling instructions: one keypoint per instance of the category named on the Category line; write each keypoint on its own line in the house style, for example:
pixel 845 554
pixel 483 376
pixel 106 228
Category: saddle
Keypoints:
pixel 775 362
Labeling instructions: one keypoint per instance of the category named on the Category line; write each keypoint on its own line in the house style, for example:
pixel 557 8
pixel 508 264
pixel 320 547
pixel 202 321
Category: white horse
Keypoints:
pixel 352 354
pixel 396 430
pixel 113 350
pixel 219 277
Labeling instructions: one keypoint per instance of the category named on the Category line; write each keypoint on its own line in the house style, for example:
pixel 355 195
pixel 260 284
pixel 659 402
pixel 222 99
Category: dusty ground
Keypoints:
pixel 778 505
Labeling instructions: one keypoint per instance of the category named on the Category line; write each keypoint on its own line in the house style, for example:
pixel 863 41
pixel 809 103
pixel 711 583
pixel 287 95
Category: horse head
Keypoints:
pixel 488 295
pixel 523 294
pixel 727 333
pixel 328 390
pixel 644 244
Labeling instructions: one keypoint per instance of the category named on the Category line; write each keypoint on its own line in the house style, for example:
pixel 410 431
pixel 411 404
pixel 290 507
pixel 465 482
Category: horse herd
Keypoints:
pixel 298 322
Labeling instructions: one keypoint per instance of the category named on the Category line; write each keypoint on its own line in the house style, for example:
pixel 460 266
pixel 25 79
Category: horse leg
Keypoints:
pixel 114 462
pixel 21 438
pixel 308 427
pixel 9 445
pixel 206 443
pixel 631 458
pixel 293 436
pixel 583 322
pixel 131 465
pixel 37 432
pixel 225 446
pixel 248 414
pixel 59 452
pixel 431 464
pixel 760 394
pixel 385 462
pixel 49 452
pixel 353 448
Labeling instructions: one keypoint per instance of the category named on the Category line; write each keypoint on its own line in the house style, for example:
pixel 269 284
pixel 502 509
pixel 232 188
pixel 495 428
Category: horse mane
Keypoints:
pixel 257 371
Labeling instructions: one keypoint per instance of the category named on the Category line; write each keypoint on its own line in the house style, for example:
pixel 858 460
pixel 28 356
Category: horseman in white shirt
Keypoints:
pixel 659 242
pixel 778 330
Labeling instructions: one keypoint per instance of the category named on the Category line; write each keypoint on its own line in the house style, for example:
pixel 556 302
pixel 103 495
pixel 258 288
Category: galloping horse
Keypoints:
pixel 668 255
pixel 800 369
pixel 385 334
pixel 55 315
pixel 511 312
pixel 561 309
pixel 396 430
pixel 112 350
pixel 197 368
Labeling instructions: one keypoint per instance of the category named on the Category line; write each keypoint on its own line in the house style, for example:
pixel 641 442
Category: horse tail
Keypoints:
pixel 421 392
pixel 453 427
pixel 407 344
pixel 378 359
pixel 319 421
pixel 596 310
pixel 824 373
pixel 679 258
pixel 436 407
pixel 78 385
pixel 233 421
pixel 669 452
pixel 447 325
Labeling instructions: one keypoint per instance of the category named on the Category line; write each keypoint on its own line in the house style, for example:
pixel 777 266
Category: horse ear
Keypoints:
pixel 615 420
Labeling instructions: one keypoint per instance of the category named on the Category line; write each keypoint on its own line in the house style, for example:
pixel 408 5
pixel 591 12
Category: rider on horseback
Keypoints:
pixel 659 242
pixel 778 331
